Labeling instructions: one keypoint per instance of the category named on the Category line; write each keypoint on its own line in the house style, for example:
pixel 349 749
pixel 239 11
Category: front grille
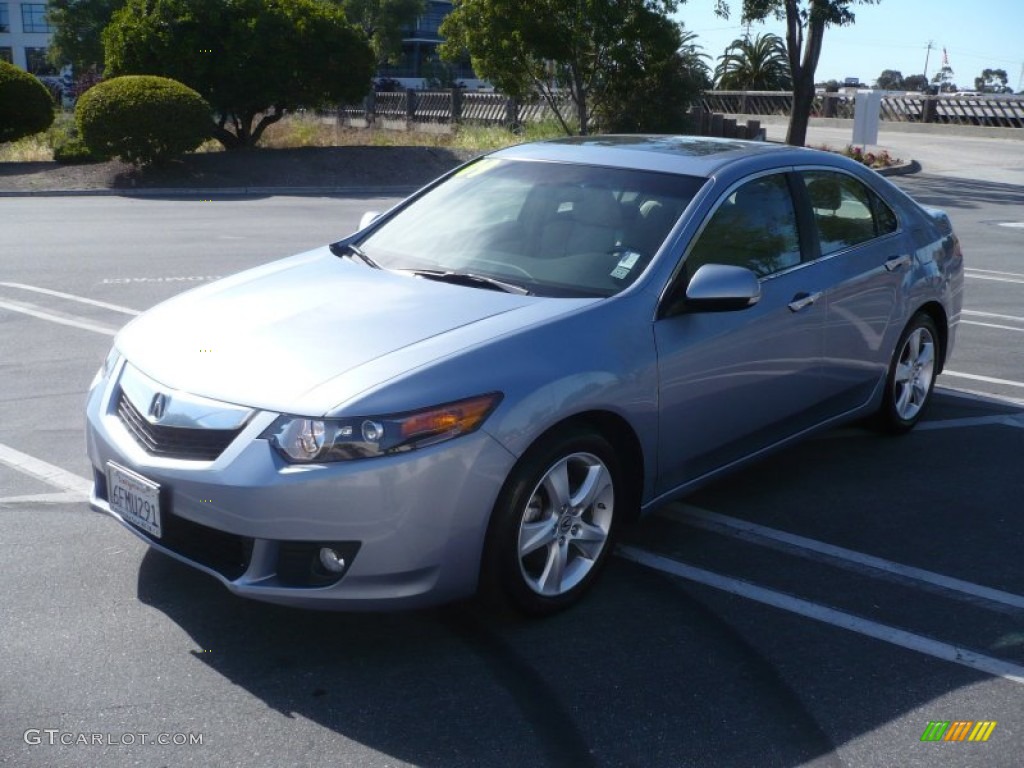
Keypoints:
pixel 173 442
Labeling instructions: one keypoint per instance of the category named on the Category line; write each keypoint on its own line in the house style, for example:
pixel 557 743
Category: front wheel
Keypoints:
pixel 552 526
pixel 911 377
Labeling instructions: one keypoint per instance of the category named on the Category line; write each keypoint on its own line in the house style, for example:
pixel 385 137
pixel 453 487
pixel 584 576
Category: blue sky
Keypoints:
pixel 893 34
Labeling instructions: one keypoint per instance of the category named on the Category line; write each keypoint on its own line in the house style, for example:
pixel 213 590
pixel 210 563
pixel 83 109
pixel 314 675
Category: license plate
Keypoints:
pixel 134 498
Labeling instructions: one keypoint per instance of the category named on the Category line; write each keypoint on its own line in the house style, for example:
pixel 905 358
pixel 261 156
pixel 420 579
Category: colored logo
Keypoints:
pixel 958 730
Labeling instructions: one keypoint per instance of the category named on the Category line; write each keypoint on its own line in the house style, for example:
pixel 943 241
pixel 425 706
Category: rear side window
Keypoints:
pixel 846 211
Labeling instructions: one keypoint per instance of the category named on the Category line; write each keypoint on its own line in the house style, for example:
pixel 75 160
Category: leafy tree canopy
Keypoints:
pixel 805 29
pixel 252 60
pixel 890 80
pixel 760 64
pixel 915 82
pixel 992 81
pixel 384 22
pixel 77 29
pixel 587 48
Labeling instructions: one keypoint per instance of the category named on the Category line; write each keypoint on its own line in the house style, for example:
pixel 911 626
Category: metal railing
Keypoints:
pixel 998 111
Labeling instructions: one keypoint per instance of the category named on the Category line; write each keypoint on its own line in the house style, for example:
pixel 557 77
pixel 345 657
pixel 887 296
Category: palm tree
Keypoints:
pixel 761 64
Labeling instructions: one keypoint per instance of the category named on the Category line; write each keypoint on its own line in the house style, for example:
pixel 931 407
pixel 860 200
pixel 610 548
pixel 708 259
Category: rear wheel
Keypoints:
pixel 552 526
pixel 911 378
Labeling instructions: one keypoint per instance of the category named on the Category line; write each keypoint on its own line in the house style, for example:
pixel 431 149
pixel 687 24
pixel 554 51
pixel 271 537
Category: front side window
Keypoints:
pixel 33 18
pixel 754 227
pixel 6 54
pixel 846 212
pixel 5 22
pixel 555 229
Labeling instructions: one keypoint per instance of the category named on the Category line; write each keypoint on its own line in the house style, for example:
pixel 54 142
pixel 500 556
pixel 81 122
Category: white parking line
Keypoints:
pixel 48 473
pixel 1003 420
pixel 986 379
pixel 745 530
pixel 73 297
pixel 63 319
pixel 996 278
pixel 979 397
pixel 65 497
pixel 992 325
pixel 994 272
pixel 831 616
pixel 995 315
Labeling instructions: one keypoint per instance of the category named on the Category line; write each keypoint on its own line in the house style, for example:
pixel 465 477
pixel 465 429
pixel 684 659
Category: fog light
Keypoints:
pixel 331 561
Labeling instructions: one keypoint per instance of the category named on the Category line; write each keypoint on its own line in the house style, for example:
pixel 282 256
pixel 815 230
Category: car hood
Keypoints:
pixel 305 334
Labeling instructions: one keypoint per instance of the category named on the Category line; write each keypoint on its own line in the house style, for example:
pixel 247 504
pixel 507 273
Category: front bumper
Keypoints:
pixel 412 524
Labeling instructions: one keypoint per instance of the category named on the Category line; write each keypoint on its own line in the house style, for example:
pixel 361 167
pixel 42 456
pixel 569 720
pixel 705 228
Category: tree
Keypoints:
pixel 656 98
pixel 991 81
pixel 915 83
pixel 760 64
pixel 586 48
pixel 77 29
pixel 384 22
pixel 806 21
pixel 252 60
pixel 890 80
pixel 25 105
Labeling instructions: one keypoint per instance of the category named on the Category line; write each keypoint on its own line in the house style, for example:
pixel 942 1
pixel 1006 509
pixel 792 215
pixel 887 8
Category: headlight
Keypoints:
pixel 106 368
pixel 303 440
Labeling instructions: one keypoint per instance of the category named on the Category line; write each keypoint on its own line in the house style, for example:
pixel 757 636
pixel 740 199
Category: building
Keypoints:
pixel 419 62
pixel 25 36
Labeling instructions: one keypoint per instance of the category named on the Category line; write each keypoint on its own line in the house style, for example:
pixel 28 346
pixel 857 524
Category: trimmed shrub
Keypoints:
pixel 25 104
pixel 68 147
pixel 143 119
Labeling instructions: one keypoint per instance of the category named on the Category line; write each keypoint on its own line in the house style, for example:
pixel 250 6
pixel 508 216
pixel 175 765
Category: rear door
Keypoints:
pixel 867 259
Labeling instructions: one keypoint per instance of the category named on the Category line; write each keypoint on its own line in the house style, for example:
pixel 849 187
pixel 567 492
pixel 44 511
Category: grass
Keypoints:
pixel 309 130
pixel 34 148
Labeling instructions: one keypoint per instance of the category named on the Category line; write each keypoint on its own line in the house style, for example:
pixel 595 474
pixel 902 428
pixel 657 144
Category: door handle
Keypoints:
pixel 895 262
pixel 804 300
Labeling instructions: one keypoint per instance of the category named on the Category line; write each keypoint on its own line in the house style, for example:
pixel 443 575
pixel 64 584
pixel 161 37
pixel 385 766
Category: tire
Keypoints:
pixel 552 527
pixel 911 376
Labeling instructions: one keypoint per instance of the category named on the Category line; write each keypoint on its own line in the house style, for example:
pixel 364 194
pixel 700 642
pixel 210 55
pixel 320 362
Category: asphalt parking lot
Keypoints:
pixel 820 608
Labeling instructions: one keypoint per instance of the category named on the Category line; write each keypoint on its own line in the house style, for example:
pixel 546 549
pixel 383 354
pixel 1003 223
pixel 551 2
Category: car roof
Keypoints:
pixel 689 155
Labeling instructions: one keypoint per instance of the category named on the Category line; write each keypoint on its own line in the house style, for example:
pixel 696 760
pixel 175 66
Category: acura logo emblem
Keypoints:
pixel 158 406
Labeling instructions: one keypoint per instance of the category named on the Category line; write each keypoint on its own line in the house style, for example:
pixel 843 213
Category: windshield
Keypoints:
pixel 555 229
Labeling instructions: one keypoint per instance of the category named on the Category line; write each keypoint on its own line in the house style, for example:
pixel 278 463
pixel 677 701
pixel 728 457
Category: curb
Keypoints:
pixel 901 170
pixel 400 191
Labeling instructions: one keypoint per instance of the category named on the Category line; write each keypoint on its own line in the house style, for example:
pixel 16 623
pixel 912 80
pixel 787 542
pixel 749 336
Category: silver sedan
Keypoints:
pixel 473 391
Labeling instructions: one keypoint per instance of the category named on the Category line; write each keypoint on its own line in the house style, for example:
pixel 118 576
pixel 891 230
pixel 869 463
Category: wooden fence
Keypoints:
pixel 1002 111
pixel 407 109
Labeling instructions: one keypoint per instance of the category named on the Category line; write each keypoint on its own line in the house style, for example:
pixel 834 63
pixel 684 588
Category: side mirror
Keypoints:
pixel 368 218
pixel 722 288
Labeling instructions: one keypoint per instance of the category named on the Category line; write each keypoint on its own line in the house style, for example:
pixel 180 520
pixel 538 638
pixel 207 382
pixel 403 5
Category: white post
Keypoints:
pixel 866 110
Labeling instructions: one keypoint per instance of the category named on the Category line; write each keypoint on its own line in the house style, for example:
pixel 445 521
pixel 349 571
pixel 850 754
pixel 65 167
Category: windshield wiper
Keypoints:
pixel 470 279
pixel 351 249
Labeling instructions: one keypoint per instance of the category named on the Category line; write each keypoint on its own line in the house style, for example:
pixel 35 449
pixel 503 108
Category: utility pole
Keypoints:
pixel 928 52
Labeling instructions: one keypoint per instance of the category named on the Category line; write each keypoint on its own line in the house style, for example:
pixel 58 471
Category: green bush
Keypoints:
pixel 25 104
pixel 142 119
pixel 66 143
